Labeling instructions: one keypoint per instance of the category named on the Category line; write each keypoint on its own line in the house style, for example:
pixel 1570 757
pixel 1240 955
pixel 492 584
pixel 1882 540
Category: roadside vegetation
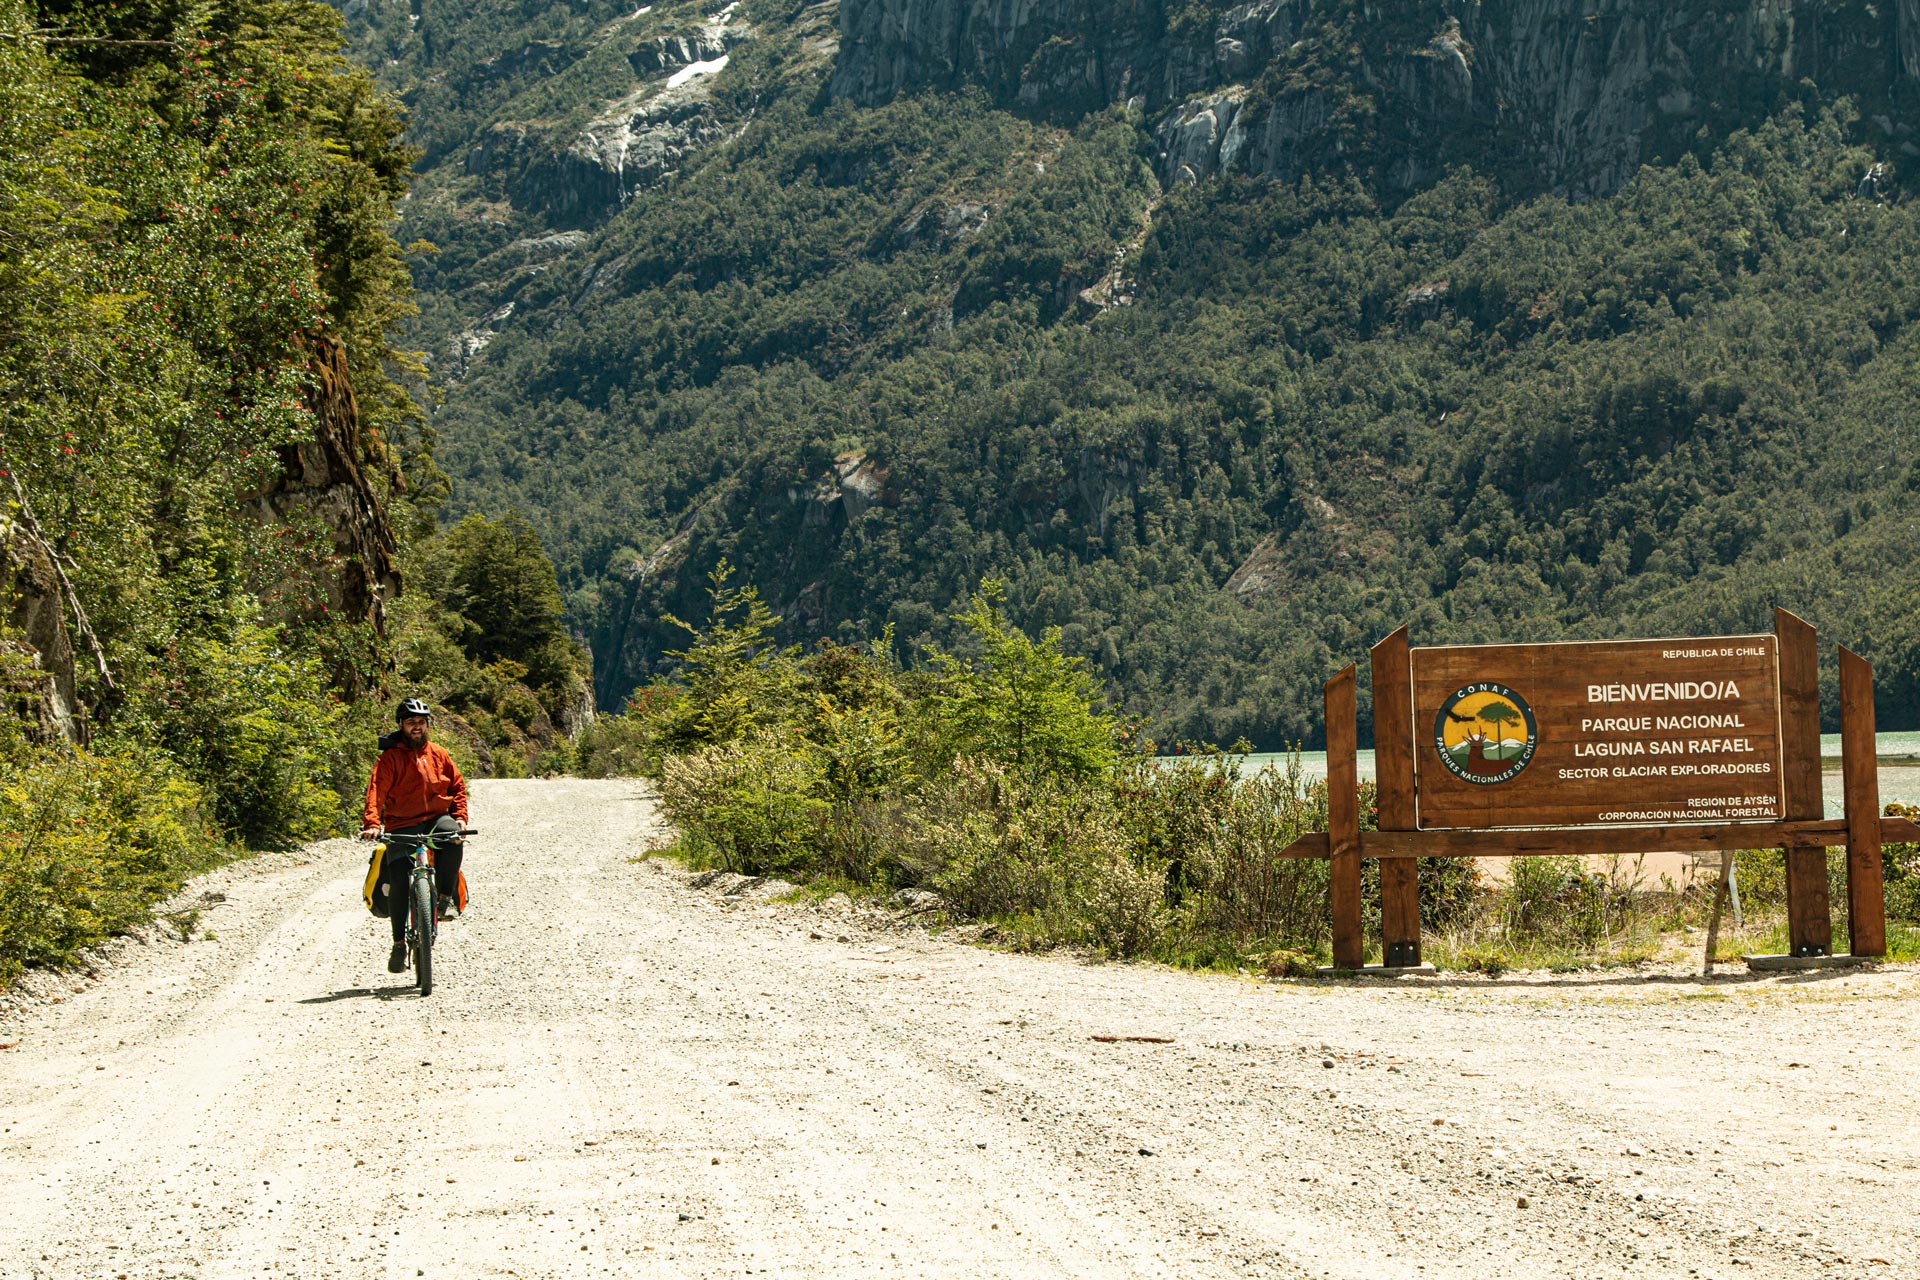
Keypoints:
pixel 195 214
pixel 1564 914
pixel 988 774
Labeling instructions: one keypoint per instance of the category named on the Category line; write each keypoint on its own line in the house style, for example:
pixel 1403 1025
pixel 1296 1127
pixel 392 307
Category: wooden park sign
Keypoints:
pixel 1631 746
pixel 1630 731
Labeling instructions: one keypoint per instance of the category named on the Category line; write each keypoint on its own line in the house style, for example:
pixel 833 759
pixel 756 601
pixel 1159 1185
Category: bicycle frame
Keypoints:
pixel 420 848
pixel 423 868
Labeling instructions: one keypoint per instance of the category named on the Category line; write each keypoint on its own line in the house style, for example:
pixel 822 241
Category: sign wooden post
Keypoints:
pixel 1393 777
pixel 1605 747
pixel 1860 775
pixel 1343 818
pixel 1809 915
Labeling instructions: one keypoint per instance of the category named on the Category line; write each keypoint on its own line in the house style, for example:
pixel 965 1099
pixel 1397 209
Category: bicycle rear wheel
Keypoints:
pixel 423 933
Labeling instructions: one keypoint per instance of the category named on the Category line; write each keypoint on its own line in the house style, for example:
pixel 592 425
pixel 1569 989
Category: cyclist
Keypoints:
pixel 416 789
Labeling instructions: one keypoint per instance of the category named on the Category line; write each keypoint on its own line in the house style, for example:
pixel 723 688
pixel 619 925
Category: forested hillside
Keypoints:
pixel 1229 336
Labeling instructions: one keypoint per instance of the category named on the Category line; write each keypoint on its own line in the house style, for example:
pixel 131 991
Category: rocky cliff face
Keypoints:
pixel 1582 90
pixel 1055 55
pixel 328 479
pixel 577 177
pixel 36 658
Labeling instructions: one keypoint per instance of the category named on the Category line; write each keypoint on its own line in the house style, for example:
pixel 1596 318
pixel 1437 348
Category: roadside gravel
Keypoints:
pixel 623 1073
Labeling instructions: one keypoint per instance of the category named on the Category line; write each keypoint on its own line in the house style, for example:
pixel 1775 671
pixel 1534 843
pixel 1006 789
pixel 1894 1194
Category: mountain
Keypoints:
pixel 1229 335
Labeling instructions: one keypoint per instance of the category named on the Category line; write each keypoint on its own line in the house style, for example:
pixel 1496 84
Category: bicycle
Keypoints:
pixel 423 915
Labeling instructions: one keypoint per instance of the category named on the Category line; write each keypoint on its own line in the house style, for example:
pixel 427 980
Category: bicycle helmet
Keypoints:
pixel 413 707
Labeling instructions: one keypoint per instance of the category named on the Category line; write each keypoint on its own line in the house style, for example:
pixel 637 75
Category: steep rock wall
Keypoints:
pixel 329 478
pixel 37 656
pixel 1584 90
pixel 1054 55
pixel 577 177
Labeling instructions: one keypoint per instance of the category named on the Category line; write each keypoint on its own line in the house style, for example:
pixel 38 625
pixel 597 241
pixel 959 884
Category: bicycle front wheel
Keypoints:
pixel 423 933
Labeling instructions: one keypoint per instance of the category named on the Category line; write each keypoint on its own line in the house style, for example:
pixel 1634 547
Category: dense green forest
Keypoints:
pixel 213 484
pixel 1224 434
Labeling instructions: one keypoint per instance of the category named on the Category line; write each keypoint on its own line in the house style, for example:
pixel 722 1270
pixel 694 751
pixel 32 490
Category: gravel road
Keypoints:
pixel 623 1074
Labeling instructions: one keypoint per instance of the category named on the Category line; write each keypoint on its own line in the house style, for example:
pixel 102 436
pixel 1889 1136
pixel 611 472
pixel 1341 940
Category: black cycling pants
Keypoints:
pixel 397 871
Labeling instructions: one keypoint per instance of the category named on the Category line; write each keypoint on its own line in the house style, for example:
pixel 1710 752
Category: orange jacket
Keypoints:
pixel 409 787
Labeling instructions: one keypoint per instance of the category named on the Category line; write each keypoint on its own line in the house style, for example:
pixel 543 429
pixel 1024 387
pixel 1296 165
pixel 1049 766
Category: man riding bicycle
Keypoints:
pixel 416 789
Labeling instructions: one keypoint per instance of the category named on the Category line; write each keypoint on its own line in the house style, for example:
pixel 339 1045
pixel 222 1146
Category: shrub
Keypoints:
pixel 1762 875
pixel 1022 702
pixel 754 804
pixel 734 683
pixel 994 778
pixel 253 723
pixel 1218 833
pixel 1901 864
pixel 519 708
pixel 1056 855
pixel 616 747
pixel 1451 890
pixel 1903 883
pixel 88 842
pixel 1554 897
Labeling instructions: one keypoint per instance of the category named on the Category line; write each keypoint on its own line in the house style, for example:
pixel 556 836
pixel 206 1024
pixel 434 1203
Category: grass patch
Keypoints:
pixel 823 887
pixel 1903 941
pixel 689 851
pixel 1657 926
pixel 1471 951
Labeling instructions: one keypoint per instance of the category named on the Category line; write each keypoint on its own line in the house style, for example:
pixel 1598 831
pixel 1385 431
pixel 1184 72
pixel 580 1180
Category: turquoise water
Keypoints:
pixel 1899 767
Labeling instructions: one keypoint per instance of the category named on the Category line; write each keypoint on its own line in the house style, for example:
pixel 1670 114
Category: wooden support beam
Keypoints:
pixel 1393 776
pixel 1809 915
pixel 1860 771
pixel 1343 818
pixel 1595 841
pixel 1578 841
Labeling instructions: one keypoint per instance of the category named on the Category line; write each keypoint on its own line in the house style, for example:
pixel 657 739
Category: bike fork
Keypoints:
pixel 433 916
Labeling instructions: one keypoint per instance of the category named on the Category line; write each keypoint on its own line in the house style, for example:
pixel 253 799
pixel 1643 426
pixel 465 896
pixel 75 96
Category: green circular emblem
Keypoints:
pixel 1485 733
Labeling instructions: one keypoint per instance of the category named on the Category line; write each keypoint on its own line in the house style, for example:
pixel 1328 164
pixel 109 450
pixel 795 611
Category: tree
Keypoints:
pixel 736 681
pixel 502 585
pixel 1499 713
pixel 1022 702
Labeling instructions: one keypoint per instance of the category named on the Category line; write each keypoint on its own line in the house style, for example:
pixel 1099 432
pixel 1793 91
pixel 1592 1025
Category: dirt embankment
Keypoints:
pixel 621 1074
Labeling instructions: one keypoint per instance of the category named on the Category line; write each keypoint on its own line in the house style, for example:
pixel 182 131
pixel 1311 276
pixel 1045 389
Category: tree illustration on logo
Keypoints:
pixel 1500 713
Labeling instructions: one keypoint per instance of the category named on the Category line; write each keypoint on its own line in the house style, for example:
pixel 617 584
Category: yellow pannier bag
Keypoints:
pixel 370 892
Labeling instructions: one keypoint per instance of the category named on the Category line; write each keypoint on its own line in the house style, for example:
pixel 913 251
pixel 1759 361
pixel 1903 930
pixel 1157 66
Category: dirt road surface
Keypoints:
pixel 621 1074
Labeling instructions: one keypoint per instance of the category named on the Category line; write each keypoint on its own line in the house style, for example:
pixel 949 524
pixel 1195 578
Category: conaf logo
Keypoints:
pixel 1485 733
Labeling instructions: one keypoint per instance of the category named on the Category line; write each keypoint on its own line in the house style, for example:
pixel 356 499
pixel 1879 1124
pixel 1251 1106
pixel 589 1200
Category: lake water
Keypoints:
pixel 1899 767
